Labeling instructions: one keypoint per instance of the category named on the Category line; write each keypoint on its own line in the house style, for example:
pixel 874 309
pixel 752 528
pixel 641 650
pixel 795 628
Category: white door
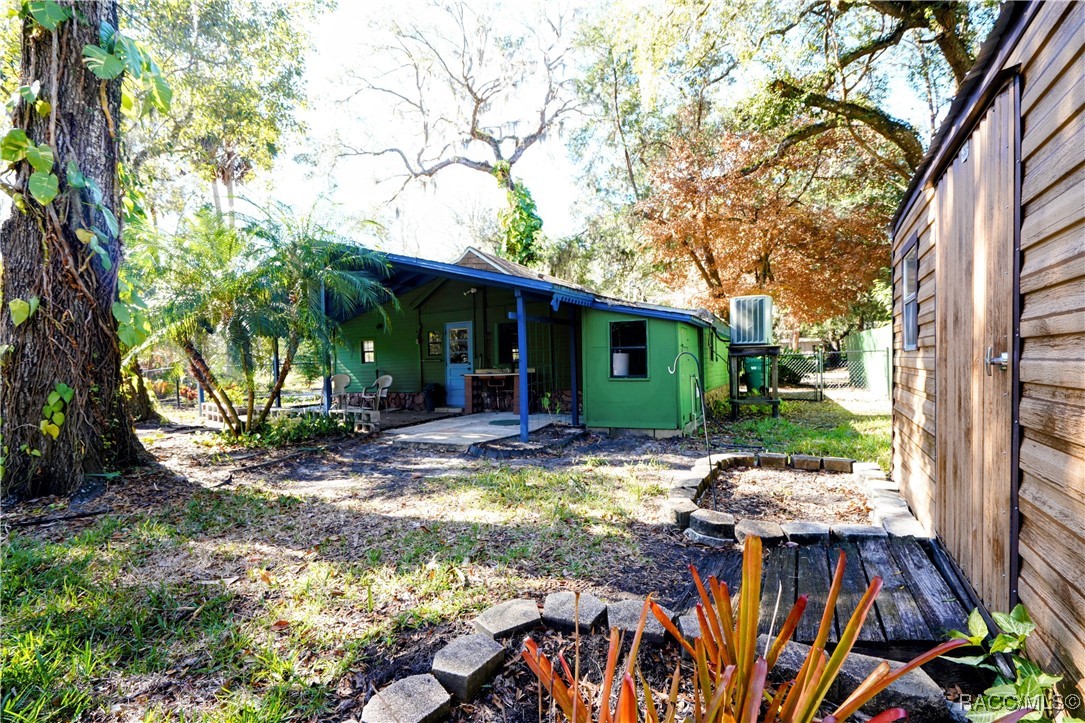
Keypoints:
pixel 459 352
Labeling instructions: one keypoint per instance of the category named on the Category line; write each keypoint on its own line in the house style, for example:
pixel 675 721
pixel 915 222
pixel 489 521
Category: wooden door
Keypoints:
pixel 974 236
pixel 459 352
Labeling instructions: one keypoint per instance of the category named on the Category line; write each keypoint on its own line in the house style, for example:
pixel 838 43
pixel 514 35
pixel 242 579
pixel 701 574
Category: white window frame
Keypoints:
pixel 909 264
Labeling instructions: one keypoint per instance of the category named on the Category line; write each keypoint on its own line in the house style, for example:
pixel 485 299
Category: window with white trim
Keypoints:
pixel 910 290
pixel 369 351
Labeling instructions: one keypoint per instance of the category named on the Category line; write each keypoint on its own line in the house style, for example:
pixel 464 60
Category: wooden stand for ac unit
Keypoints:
pixel 770 393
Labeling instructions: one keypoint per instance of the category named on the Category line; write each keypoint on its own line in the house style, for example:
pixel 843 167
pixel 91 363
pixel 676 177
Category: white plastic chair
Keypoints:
pixel 375 392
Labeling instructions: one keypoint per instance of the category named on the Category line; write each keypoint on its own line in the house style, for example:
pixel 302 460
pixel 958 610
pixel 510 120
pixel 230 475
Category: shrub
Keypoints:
pixel 282 431
pixel 729 680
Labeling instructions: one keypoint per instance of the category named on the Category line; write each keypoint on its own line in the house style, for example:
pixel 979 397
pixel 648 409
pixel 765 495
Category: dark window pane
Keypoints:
pixel 508 351
pixel 629 349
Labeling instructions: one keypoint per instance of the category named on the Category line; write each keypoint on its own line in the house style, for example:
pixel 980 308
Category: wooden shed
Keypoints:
pixel 989 328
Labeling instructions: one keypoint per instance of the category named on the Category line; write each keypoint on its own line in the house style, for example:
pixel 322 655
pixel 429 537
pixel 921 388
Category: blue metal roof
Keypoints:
pixel 409 272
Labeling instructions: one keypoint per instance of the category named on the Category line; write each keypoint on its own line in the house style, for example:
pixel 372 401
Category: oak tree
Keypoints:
pixel 62 410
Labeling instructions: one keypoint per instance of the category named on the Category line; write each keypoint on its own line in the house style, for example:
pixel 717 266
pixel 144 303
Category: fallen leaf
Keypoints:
pixel 280 625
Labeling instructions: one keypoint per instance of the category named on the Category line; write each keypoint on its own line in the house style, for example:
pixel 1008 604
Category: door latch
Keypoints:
pixel 1002 360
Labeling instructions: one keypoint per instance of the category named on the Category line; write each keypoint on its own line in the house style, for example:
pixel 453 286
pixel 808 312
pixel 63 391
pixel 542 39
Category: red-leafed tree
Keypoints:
pixel 746 214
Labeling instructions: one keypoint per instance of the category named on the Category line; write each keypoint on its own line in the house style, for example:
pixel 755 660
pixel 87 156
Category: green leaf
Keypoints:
pixel 53 398
pixel 35 453
pixel 129 53
pixel 43 187
pixel 95 190
pixel 121 313
pixel 103 64
pixel 106 32
pixel 48 13
pixel 43 107
pixel 29 93
pixel 49 428
pixel 130 336
pixel 20 311
pixel 58 418
pixel 160 93
pixel 66 392
pixel 85 235
pixel 13 147
pixel 976 626
pixel 1004 643
pixel 110 221
pixel 972 660
pixel 75 178
pixel 40 157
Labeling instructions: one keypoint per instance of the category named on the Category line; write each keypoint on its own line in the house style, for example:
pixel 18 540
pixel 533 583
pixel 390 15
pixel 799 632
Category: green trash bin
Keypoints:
pixel 754 367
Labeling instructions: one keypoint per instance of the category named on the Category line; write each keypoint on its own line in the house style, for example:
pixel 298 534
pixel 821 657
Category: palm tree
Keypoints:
pixel 279 276
pixel 318 276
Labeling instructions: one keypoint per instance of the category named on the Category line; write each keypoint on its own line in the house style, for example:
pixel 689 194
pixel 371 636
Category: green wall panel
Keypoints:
pixel 628 403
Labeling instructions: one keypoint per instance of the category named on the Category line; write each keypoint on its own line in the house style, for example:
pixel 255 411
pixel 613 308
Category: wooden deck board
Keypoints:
pixel 851 592
pixel 897 609
pixel 813 580
pixel 940 606
pixel 777 581
pixel 917 603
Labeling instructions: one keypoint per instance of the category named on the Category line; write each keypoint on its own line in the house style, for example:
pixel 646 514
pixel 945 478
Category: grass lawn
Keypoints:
pixel 289 595
pixel 818 428
pixel 252 605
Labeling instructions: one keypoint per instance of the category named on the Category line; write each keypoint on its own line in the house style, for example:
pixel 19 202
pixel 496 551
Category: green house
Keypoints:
pixel 489 334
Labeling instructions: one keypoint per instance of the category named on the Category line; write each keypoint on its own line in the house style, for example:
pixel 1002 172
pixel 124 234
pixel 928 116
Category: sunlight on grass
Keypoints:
pixel 818 428
pixel 306 593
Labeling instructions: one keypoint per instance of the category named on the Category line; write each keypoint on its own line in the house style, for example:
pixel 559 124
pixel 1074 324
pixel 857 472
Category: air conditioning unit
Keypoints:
pixel 751 320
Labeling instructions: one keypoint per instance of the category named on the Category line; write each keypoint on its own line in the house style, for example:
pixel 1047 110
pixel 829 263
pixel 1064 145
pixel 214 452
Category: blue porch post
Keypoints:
pixel 326 389
pixel 199 397
pixel 521 345
pixel 572 366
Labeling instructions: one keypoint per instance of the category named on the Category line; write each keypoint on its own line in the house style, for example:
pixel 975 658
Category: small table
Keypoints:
pixel 768 393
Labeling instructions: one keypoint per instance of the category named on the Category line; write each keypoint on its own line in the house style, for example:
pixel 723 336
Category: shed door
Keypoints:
pixel 974 324
pixel 458 354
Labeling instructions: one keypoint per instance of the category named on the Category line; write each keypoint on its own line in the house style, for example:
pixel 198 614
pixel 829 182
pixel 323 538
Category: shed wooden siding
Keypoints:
pixel 1051 470
pixel 1051 583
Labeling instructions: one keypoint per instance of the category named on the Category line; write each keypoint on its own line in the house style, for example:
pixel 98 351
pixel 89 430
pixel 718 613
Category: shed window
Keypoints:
pixel 508 344
pixel 629 349
pixel 910 283
pixel 433 344
pixel 369 351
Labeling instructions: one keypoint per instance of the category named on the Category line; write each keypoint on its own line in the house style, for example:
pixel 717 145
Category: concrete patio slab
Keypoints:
pixel 469 429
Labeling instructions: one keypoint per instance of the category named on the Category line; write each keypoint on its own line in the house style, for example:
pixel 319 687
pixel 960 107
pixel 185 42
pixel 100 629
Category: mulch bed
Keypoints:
pixel 786 495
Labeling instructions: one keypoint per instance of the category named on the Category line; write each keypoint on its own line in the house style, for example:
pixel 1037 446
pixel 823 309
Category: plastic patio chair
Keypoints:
pixel 340 382
pixel 375 392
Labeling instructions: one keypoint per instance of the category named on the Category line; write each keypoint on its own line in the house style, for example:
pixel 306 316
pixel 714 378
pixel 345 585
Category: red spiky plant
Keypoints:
pixel 730 682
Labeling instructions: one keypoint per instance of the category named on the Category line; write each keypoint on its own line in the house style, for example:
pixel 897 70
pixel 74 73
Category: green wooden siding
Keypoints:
pixel 649 403
pixel 716 370
pixel 660 401
pixel 402 346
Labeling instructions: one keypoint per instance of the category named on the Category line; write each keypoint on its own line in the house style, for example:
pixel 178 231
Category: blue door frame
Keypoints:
pixel 459 360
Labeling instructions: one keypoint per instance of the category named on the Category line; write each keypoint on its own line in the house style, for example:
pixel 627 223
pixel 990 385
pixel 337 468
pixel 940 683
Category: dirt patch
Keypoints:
pixel 786 495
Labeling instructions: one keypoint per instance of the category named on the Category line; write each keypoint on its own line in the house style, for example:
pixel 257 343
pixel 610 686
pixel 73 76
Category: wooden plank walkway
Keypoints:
pixel 916 606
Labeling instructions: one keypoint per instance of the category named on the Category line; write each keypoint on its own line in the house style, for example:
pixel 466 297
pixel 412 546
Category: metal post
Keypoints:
pixel 521 342
pixel 573 366
pixel 199 398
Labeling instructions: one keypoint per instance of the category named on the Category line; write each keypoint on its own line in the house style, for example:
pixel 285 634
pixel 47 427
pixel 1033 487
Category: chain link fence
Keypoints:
pixel 807 375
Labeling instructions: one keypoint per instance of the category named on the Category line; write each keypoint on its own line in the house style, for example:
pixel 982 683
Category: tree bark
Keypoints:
pixel 72 338
pixel 140 405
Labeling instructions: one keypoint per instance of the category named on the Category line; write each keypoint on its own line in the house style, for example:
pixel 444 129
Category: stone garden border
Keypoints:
pixel 890 516
pixel 467 663
pixel 462 667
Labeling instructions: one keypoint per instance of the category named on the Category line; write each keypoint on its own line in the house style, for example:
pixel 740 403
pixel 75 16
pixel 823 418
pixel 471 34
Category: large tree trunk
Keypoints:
pixel 72 337
pixel 140 405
